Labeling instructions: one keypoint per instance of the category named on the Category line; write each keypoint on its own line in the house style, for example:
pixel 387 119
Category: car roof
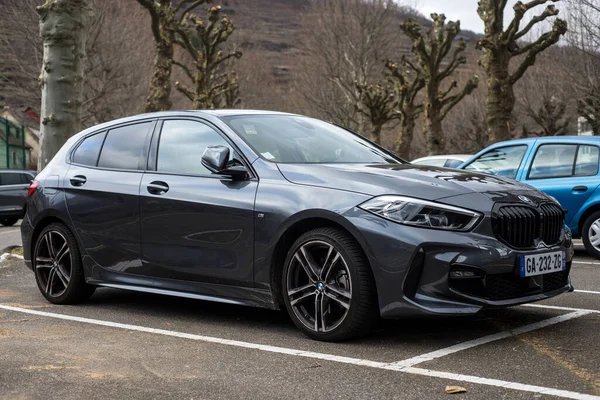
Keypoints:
pixel 550 139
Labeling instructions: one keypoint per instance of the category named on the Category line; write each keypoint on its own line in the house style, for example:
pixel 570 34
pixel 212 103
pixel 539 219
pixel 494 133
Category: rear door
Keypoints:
pixel 195 225
pixel 102 194
pixel 566 171
pixel 13 191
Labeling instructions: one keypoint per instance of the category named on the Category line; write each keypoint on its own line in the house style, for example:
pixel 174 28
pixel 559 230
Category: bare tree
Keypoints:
pixel 214 84
pixel 466 125
pixel 408 82
pixel 500 46
pixel 168 22
pixel 584 18
pixel 64 26
pixel 431 50
pixel 344 42
pixel 378 103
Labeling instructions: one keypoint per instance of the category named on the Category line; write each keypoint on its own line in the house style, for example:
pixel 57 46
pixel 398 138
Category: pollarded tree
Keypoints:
pixel 431 50
pixel 499 46
pixel 168 22
pixel 64 26
pixel 378 104
pixel 213 84
pixel 408 82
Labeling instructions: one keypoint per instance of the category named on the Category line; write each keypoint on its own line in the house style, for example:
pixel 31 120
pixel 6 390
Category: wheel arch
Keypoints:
pixel 297 226
pixel 591 209
pixel 41 223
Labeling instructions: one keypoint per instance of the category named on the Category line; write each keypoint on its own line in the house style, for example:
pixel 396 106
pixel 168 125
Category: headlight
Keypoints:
pixel 421 213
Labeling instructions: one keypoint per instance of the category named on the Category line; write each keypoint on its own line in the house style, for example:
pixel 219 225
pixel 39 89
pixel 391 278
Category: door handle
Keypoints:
pixel 580 188
pixel 78 180
pixel 157 187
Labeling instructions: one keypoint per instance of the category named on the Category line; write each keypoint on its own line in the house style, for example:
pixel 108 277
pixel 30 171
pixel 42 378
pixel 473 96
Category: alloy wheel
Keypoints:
pixel 53 263
pixel 319 286
pixel 594 234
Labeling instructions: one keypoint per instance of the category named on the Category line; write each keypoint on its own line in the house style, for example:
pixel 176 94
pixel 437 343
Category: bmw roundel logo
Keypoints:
pixel 525 199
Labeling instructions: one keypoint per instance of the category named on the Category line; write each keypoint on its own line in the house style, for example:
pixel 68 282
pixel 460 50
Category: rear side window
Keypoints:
pixel 124 147
pixel 15 179
pixel 88 151
pixel 182 144
pixel 503 161
pixel 587 161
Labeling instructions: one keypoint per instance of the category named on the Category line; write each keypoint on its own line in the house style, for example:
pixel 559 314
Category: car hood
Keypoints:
pixel 424 182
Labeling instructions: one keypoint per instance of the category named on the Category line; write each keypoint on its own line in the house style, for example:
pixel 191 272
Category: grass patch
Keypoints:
pixel 17 251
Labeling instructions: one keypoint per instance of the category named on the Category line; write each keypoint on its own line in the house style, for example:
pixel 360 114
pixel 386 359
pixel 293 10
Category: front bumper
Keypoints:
pixel 412 266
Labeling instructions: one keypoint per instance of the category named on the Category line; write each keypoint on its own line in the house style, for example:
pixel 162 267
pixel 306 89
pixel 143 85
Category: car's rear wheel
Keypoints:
pixel 591 234
pixel 328 286
pixel 8 221
pixel 58 268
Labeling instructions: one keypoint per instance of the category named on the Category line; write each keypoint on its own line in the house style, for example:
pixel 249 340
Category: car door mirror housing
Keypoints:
pixel 215 159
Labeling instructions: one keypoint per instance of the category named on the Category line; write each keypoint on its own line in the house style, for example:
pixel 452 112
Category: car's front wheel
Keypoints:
pixel 591 234
pixel 58 267
pixel 328 286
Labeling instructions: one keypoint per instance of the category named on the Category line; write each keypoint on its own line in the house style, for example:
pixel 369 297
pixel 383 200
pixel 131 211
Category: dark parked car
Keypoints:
pixel 277 210
pixel 14 185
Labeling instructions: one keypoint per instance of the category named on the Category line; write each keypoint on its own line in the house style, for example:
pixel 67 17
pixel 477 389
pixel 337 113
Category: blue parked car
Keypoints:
pixel 564 167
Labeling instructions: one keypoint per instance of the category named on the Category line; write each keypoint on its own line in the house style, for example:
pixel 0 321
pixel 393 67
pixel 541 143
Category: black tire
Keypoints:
pixel 585 235
pixel 362 311
pixel 8 221
pixel 76 290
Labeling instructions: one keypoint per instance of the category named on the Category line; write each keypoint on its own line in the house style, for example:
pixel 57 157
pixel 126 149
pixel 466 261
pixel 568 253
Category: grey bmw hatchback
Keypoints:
pixel 283 211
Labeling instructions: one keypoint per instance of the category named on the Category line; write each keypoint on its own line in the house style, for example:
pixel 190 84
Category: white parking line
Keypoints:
pixel 587 262
pixel 587 291
pixel 410 362
pixel 560 308
pixel 319 356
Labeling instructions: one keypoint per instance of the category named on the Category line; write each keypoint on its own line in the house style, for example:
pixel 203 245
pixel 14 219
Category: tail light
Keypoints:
pixel 34 185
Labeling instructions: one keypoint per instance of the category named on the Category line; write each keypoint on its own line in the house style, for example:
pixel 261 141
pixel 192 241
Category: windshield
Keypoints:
pixel 503 161
pixel 295 139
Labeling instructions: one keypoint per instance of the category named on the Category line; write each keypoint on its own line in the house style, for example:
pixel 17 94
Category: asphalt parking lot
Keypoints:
pixel 132 345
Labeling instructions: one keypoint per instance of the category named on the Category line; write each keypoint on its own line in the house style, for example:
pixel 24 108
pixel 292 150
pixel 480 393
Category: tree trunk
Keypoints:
pixel 376 133
pixel 404 138
pixel 159 96
pixel 64 26
pixel 500 98
pixel 434 134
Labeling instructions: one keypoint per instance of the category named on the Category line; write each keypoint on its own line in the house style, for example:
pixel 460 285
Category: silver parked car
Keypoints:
pixel 448 161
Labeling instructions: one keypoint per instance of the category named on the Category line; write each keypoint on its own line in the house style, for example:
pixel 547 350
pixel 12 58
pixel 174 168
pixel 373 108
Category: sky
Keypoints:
pixel 463 10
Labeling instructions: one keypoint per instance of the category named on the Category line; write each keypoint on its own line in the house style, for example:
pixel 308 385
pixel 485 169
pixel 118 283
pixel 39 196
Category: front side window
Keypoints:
pixel 502 161
pixel 88 151
pixel 181 145
pixel 553 161
pixel 124 147
pixel 295 139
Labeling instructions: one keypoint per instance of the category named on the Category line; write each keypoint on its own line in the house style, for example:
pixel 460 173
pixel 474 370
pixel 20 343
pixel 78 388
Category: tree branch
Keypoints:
pixel 185 12
pixel 155 18
pixel 550 11
pixel 544 41
pixel 450 102
pixel 184 68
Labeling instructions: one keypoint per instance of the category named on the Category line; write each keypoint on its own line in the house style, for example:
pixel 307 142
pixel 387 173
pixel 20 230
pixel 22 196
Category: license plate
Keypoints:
pixel 543 263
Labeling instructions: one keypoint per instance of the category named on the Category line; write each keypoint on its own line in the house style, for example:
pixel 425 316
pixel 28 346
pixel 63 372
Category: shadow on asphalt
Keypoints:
pixel 183 310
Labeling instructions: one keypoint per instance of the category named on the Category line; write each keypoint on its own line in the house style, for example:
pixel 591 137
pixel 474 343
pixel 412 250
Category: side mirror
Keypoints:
pixel 215 160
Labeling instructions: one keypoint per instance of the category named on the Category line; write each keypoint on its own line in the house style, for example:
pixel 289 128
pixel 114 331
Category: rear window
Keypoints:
pixel 15 178
pixel 124 147
pixel 88 151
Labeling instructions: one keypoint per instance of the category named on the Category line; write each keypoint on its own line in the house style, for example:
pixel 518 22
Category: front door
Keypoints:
pixel 568 172
pixel 195 225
